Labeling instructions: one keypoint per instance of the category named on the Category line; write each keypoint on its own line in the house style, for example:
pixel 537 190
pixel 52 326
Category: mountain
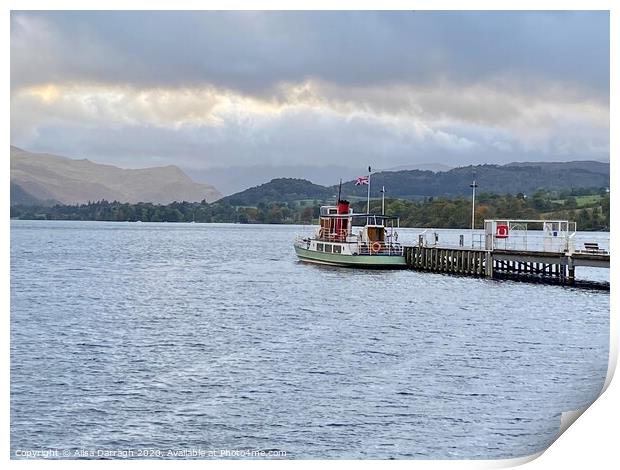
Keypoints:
pixel 281 190
pixel 592 166
pixel 47 179
pixel 231 180
pixel 19 197
pixel 513 178
pixel 52 178
pixel 422 166
pixel 523 178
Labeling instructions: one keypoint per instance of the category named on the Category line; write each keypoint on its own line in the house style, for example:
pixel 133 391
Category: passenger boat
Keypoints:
pixel 337 242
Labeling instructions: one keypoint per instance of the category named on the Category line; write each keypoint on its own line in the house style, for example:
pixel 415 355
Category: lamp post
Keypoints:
pixel 473 187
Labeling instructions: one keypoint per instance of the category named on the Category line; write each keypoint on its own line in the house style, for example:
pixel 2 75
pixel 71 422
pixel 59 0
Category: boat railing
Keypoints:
pixel 302 241
pixel 340 236
pixel 380 248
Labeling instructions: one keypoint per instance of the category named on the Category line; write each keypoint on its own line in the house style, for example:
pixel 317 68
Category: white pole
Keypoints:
pixel 473 205
pixel 473 209
pixel 383 200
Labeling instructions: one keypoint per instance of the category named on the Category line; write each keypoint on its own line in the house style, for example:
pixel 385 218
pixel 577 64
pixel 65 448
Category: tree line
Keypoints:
pixel 435 212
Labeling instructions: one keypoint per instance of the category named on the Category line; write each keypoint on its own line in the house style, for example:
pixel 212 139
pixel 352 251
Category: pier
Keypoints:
pixel 511 249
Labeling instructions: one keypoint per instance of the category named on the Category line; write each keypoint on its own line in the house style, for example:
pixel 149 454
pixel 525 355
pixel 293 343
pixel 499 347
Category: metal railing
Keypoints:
pixel 302 242
pixel 339 236
pixel 423 238
pixel 380 248
pixel 552 236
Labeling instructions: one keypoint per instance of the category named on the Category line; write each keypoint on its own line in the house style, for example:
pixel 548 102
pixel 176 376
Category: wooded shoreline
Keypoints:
pixel 590 211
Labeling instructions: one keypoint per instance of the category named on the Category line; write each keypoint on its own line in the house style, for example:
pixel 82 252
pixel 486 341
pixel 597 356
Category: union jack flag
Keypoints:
pixel 361 180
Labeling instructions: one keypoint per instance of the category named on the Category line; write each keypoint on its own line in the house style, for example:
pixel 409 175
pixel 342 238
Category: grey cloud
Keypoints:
pixel 146 88
pixel 254 51
pixel 314 139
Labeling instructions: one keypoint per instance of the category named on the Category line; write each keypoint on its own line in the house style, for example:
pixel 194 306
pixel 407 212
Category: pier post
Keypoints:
pixel 571 271
pixel 488 263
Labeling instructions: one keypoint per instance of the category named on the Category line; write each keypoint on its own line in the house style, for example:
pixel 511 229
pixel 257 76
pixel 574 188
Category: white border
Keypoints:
pixel 591 442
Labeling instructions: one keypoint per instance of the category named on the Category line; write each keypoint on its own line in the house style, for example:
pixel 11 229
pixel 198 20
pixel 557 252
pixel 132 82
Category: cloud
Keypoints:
pixel 207 89
pixel 254 51
pixel 413 115
pixel 199 128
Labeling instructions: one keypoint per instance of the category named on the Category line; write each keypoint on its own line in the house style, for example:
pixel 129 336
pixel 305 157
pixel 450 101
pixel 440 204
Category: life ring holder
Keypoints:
pixel 375 247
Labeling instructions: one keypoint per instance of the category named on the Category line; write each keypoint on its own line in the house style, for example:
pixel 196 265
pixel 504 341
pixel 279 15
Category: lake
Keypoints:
pixel 164 338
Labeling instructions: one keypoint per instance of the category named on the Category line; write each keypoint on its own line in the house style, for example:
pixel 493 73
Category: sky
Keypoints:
pixel 238 89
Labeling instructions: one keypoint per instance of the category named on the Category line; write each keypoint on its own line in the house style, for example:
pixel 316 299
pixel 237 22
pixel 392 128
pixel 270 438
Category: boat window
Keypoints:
pixel 337 248
pixel 319 247
pixel 328 248
pixel 376 233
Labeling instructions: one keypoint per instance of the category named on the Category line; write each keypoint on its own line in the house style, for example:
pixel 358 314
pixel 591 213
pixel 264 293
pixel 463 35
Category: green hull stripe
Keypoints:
pixel 350 260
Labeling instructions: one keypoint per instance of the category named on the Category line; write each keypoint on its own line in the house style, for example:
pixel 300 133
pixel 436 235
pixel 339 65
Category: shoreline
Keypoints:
pixel 309 224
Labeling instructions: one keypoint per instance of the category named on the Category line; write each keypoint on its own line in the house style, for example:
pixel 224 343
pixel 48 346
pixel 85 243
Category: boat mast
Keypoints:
pixel 339 191
pixel 368 198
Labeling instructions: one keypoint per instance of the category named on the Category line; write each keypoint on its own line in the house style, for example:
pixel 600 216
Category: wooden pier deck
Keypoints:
pixel 556 267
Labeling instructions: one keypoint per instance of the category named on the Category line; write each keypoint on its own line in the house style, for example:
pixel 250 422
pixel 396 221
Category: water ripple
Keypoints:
pixel 178 336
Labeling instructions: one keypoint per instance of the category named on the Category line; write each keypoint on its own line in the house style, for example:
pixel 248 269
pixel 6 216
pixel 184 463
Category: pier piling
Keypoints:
pixel 525 265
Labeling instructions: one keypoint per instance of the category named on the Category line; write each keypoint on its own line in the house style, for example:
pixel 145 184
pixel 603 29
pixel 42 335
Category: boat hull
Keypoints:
pixel 353 261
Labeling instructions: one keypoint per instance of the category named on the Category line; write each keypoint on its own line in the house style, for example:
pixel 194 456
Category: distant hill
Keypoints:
pixel 37 177
pixel 280 190
pixel 422 166
pixel 231 180
pixel 22 198
pixel 514 178
pixel 507 179
pixel 586 165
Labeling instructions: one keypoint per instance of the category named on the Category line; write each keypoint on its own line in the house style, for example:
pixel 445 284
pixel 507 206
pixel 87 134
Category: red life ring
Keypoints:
pixel 501 231
pixel 375 247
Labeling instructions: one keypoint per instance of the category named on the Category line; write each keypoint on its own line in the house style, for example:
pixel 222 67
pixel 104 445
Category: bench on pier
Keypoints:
pixel 592 247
